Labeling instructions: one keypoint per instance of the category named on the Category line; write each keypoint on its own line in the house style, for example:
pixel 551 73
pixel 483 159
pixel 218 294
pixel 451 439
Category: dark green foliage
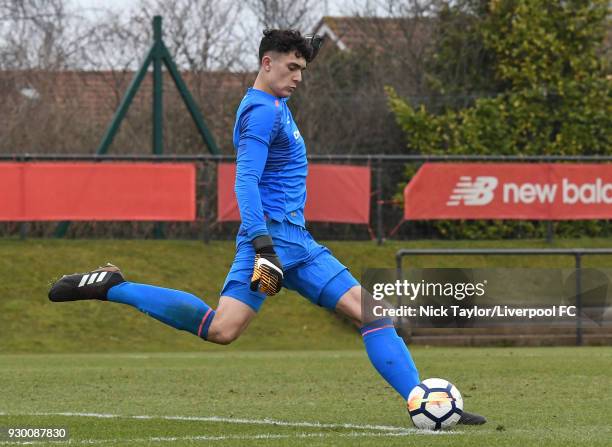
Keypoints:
pixel 460 67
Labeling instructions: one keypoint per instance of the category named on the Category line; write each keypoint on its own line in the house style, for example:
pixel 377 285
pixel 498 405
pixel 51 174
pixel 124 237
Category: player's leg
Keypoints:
pixel 386 350
pixel 325 281
pixel 176 308
pixel 179 309
pixel 187 312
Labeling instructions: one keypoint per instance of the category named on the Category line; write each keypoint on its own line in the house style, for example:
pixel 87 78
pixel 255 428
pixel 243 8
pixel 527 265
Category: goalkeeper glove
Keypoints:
pixel 268 270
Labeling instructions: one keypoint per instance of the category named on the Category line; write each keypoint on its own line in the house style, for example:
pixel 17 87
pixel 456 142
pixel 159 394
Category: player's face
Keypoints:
pixel 285 73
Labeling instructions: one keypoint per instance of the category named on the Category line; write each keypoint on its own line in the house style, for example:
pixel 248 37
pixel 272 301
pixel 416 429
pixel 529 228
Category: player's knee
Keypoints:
pixel 350 305
pixel 223 335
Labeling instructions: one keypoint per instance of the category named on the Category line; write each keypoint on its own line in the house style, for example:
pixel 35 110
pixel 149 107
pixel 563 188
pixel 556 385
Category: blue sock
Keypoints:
pixel 176 308
pixel 389 355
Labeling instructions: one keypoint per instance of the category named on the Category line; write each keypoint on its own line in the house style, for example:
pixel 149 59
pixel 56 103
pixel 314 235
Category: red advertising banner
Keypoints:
pixel 336 193
pixel 509 191
pixel 97 191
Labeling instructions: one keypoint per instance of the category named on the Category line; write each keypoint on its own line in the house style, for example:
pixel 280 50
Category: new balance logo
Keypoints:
pixel 91 278
pixel 473 193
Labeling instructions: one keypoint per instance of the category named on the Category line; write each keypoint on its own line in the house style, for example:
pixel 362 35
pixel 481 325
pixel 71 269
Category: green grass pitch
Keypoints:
pixel 532 397
pixel 298 377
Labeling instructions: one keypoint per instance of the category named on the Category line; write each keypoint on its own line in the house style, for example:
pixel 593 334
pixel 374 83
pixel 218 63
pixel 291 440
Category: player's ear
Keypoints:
pixel 266 62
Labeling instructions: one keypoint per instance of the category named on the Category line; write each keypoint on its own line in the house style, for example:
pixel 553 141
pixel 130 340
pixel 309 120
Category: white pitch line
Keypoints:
pixel 229 421
pixel 379 430
pixel 226 438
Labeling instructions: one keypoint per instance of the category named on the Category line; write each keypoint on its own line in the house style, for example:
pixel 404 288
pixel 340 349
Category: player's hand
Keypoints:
pixel 268 270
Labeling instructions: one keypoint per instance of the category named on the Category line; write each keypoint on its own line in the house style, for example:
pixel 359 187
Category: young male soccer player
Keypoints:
pixel 273 247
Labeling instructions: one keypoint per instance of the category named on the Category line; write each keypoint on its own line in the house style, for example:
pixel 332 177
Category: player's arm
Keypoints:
pixel 256 130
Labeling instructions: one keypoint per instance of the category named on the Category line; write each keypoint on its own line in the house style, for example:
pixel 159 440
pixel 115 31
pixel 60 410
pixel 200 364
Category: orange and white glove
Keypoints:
pixel 268 270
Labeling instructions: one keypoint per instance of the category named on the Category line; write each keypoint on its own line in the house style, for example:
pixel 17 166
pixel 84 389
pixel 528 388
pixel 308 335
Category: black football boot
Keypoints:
pixel 471 419
pixel 93 285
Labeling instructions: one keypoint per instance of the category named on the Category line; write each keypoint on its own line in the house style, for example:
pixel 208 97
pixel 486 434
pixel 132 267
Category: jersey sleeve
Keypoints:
pixel 257 128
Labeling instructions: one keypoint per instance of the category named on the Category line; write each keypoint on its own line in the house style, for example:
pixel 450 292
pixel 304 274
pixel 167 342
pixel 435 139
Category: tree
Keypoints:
pixel 557 98
pixel 460 67
pixel 200 34
pixel 293 14
pixel 41 34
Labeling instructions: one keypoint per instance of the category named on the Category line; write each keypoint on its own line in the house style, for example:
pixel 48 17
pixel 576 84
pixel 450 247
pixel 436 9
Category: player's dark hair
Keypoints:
pixel 285 41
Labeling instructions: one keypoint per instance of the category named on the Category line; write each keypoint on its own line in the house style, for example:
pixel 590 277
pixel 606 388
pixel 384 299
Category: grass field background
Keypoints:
pixel 30 323
pixel 298 376
pixel 532 397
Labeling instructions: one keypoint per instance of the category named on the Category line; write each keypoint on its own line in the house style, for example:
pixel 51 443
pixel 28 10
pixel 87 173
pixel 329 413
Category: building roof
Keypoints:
pixel 349 33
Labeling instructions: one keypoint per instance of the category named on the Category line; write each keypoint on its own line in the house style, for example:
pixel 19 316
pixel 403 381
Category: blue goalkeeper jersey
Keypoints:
pixel 271 163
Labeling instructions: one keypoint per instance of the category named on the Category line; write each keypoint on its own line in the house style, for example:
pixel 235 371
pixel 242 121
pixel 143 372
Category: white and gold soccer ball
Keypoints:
pixel 435 404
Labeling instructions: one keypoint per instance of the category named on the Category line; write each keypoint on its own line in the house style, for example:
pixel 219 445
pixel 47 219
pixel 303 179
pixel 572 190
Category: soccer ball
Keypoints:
pixel 435 404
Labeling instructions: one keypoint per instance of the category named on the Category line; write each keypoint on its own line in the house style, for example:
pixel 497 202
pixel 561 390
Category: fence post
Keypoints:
pixel 578 257
pixel 23 230
pixel 404 333
pixel 379 202
pixel 205 203
pixel 158 104
pixel 549 231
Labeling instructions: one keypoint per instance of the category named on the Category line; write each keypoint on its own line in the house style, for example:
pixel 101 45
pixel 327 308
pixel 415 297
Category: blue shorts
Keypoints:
pixel 309 268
